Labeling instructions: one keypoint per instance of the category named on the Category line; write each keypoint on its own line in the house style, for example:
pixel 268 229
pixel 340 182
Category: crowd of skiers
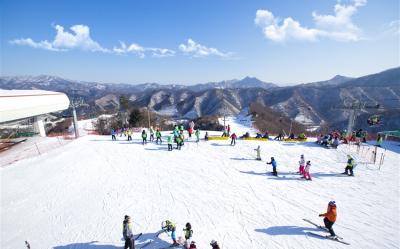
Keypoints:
pixel 336 137
pixel 168 227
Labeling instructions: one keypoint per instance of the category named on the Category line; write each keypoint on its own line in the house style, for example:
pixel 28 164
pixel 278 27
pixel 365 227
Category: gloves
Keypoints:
pixel 320 215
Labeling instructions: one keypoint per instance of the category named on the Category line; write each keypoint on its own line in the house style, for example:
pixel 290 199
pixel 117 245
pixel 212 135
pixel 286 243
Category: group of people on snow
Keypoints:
pixel 167 226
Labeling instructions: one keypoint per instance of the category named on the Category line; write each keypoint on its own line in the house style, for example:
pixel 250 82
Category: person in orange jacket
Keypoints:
pixel 330 217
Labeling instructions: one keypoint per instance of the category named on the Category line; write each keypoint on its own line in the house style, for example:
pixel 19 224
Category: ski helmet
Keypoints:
pixel 213 243
pixel 332 203
pixel 188 225
pixel 302 156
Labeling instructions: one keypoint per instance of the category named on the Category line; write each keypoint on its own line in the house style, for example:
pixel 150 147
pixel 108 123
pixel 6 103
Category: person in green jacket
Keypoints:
pixel 197 134
pixel 178 142
pixel 169 141
pixel 158 136
pixel 144 137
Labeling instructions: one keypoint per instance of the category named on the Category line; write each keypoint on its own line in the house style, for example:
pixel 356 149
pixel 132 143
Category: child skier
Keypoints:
pixel 129 133
pixel 258 153
pixel 178 142
pixel 214 244
pixel 274 164
pixel 349 167
pixel 306 172
pixel 301 165
pixel 144 137
pixel 113 135
pixel 197 133
pixel 330 217
pixel 151 134
pixel 158 136
pixel 233 137
pixel 127 233
pixel 169 143
pixel 168 226
pixel 188 234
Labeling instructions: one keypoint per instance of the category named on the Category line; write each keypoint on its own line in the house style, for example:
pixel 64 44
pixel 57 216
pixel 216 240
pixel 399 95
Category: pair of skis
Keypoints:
pixel 337 238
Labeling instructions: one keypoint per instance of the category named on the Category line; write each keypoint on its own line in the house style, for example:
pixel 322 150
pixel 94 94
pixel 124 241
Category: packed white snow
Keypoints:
pixel 76 196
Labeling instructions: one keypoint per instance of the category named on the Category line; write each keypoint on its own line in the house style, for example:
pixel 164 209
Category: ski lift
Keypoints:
pixel 374 120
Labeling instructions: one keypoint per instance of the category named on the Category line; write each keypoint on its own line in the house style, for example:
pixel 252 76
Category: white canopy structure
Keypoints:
pixel 20 104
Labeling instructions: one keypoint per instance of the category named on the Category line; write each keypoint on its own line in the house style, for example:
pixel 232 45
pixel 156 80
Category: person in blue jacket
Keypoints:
pixel 274 164
pixel 113 135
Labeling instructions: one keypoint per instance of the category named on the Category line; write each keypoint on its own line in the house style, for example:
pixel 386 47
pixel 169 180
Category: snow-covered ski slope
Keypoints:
pixel 76 196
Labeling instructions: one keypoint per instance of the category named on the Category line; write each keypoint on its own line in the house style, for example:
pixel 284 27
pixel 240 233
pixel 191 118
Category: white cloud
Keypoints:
pixel 337 27
pixel 392 28
pixel 198 50
pixel 80 38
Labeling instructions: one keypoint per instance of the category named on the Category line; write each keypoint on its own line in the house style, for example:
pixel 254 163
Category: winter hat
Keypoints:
pixel 188 225
pixel 213 243
pixel 332 203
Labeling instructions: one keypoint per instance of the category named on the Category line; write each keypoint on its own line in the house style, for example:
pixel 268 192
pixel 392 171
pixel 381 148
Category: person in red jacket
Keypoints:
pixel 233 141
pixel 330 217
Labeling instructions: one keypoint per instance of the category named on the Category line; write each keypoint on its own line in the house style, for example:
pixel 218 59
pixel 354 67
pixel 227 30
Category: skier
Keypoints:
pixel 188 234
pixel 330 217
pixel 192 245
pixel 158 136
pixel 197 133
pixel 113 135
pixel 206 136
pixel 127 233
pixel 214 244
pixel 301 165
pixel 349 167
pixel 306 173
pixel 170 227
pixel 258 153
pixel 233 137
pixel 129 133
pixel 169 143
pixel 144 137
pixel 178 143
pixel 274 164
pixel 379 140
pixel 151 134
pixel 229 130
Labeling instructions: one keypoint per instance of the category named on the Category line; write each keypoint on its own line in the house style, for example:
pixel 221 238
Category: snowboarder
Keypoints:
pixel 188 234
pixel 214 244
pixel 301 165
pixel 168 226
pixel 144 137
pixel 158 136
pixel 330 217
pixel 127 233
pixel 233 137
pixel 306 173
pixel 274 164
pixel 258 153
pixel 197 134
pixel 151 134
pixel 169 143
pixel 113 135
pixel 349 167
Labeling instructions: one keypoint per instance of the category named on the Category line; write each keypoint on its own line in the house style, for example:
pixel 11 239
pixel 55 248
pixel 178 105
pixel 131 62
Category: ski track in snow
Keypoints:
pixel 76 196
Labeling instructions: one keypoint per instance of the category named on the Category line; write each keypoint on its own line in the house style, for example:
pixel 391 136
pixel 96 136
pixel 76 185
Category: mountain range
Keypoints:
pixel 315 103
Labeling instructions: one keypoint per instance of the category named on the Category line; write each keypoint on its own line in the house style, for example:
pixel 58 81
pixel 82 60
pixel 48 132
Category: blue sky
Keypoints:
pixel 188 42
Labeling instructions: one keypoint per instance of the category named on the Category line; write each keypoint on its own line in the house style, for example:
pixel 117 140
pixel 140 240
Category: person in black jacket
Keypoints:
pixel 127 233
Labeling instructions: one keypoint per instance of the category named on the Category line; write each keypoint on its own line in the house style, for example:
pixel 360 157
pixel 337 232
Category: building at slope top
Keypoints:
pixel 22 104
